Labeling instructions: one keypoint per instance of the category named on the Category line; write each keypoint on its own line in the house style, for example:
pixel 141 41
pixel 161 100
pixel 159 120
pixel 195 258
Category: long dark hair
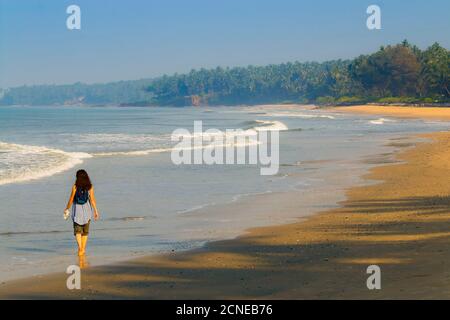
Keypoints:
pixel 83 181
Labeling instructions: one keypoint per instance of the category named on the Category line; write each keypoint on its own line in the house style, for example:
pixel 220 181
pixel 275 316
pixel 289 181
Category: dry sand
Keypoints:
pixel 431 113
pixel 401 224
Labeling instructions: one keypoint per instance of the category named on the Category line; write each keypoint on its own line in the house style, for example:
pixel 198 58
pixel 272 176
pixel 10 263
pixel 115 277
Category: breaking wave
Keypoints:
pixel 381 121
pixel 19 163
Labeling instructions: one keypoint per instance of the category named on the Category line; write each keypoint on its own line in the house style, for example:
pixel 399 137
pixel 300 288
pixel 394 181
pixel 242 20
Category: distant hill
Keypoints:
pixel 121 92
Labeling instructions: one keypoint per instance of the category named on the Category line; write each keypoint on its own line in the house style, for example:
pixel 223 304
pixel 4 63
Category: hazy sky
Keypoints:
pixel 132 39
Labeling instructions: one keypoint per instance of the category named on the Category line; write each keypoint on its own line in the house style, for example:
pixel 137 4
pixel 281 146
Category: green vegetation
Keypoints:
pixel 395 74
pixel 401 74
pixel 78 93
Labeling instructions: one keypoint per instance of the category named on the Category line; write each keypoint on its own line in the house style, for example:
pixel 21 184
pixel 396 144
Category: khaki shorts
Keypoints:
pixel 83 229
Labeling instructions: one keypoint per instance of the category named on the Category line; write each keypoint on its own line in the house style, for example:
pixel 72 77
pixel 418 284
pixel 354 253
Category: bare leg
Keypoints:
pixel 82 262
pixel 84 240
pixel 79 242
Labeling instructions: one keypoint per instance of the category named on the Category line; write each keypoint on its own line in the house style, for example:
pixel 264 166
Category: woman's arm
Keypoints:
pixel 93 202
pixel 72 195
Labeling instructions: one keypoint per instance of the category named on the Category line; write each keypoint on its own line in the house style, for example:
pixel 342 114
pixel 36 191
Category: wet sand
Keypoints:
pixel 401 223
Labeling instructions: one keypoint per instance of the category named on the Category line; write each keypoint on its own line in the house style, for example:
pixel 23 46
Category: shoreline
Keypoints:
pixel 320 256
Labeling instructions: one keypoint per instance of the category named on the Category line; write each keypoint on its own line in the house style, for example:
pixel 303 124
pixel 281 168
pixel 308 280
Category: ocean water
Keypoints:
pixel 147 203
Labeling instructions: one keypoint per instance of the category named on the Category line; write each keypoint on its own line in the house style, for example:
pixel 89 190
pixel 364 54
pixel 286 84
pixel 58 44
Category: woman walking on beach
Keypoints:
pixel 82 201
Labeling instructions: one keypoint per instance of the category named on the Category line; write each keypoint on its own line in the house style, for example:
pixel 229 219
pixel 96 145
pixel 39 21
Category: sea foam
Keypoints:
pixel 381 121
pixel 19 163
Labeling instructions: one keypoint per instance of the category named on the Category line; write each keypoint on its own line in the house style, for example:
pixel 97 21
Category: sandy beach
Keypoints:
pixel 401 223
pixel 430 113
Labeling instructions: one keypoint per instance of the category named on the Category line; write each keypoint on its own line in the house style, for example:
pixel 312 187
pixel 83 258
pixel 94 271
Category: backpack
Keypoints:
pixel 81 196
